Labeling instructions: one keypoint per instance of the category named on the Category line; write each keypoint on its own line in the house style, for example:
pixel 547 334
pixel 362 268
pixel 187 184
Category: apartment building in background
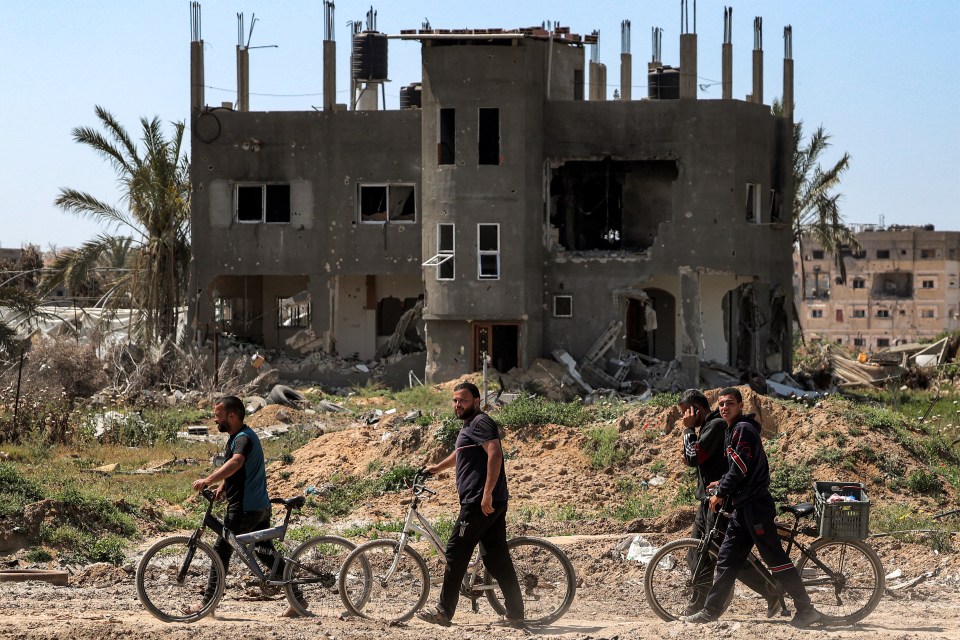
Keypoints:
pixel 902 286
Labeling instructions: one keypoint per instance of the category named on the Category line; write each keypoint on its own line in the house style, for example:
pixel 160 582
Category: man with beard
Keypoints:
pixel 244 486
pixel 482 487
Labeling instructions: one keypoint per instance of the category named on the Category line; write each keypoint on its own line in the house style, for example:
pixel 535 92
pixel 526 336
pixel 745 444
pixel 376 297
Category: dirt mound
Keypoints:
pixel 101 574
pixel 555 485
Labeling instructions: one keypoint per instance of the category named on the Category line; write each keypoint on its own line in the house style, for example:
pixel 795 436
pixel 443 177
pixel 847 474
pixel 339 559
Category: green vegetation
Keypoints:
pixel 636 502
pixel 604 448
pixel 906 524
pixel 665 400
pixel 535 411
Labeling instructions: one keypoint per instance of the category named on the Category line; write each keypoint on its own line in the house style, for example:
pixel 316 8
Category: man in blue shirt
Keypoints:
pixel 482 486
pixel 244 485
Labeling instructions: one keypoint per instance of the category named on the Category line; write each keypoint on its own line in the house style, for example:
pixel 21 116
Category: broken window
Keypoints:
pixel 883 343
pixel 928 254
pixel 611 204
pixel 230 315
pixel 776 205
pixel 816 313
pixel 444 260
pixel 859 283
pixel 488 251
pixel 446 137
pixel 255 203
pixel 883 313
pixel 387 203
pixel 883 254
pixel 488 144
pixel 859 342
pixel 859 313
pixel 562 306
pixel 818 254
pixel 293 312
pixel 896 284
pixel 753 202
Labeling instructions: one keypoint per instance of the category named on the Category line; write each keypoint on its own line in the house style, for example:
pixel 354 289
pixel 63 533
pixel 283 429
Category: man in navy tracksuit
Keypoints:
pixel 746 487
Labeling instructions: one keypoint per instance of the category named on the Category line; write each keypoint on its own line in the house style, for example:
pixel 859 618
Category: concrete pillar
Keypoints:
pixel 788 89
pixel 727 70
pixel 757 95
pixel 196 76
pixel 243 79
pixel 626 76
pixel 688 66
pixel 598 81
pixel 367 94
pixel 329 75
pixel 691 333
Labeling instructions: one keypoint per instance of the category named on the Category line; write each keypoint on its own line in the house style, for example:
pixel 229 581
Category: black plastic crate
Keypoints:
pixel 842 520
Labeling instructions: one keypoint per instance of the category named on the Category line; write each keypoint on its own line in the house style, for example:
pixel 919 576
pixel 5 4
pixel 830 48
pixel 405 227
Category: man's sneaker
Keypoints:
pixel 434 617
pixel 692 608
pixel 513 623
pixel 804 619
pixel 775 605
pixel 700 617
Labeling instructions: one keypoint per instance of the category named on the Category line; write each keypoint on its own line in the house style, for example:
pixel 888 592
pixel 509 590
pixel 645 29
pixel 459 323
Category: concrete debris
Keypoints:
pixel 254 404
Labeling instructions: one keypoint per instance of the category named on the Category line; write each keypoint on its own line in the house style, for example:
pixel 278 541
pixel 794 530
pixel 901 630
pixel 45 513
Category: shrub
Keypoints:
pixel 16 490
pixel 789 478
pixel 39 554
pixel 446 432
pixel 397 478
pixel 604 448
pixel 922 481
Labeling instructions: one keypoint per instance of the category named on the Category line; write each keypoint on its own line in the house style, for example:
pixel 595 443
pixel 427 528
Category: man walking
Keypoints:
pixel 482 487
pixel 244 485
pixel 746 487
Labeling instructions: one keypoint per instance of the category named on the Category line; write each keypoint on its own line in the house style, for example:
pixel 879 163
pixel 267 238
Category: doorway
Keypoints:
pixel 651 325
pixel 500 341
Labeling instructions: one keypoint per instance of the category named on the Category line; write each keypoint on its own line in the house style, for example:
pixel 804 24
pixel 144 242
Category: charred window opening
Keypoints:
pixel 446 137
pixel 896 284
pixel 611 204
pixel 256 203
pixel 753 203
pixel 488 143
pixel 293 312
pixel 883 254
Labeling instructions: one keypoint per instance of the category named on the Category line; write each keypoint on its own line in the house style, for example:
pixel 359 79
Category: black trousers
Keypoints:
pixel 748 574
pixel 238 521
pixel 472 528
pixel 752 524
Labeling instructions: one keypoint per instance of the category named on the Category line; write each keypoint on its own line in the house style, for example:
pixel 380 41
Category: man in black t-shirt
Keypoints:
pixel 482 486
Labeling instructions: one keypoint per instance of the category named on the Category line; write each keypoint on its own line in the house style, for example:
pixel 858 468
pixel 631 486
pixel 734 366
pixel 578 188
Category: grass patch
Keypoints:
pixel 922 481
pixel 535 411
pixel 604 448
pixel 789 479
pixel 664 400
pixel 912 526
pixel 446 432
pixel 16 490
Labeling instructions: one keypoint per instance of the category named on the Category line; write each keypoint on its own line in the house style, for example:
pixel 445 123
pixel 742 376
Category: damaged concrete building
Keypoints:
pixel 527 218
pixel 901 286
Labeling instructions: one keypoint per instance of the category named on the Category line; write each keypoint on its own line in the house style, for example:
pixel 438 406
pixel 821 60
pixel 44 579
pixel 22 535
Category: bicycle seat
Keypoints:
pixel 800 510
pixel 289 503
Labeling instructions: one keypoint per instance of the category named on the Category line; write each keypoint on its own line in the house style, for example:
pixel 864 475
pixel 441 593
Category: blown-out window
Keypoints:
pixel 387 203
pixel 262 203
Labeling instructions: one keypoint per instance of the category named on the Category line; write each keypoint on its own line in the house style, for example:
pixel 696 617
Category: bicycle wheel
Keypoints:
pixel 313 570
pixel 367 590
pixel 547 580
pixel 857 583
pixel 669 582
pixel 172 577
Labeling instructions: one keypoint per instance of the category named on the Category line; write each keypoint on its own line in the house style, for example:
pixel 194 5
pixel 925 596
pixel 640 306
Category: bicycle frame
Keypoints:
pixel 244 543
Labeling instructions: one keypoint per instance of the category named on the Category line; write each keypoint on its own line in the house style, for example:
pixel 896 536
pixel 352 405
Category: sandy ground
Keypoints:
pixel 609 605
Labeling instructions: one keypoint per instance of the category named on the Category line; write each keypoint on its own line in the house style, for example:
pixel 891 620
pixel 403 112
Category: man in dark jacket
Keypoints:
pixel 705 452
pixel 482 486
pixel 745 488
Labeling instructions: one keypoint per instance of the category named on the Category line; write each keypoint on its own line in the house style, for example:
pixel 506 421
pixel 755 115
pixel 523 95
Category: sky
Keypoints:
pixel 882 77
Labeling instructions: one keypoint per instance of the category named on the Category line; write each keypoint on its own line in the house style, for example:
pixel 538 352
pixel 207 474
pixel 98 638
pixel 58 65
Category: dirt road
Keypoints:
pixel 102 603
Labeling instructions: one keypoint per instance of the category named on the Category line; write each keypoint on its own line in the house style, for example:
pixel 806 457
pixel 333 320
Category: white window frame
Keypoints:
pixel 928 313
pixel 816 313
pixel 931 281
pixel 883 313
pixel 481 253
pixel 444 255
pixel 263 202
pixel 388 187
pixel 556 314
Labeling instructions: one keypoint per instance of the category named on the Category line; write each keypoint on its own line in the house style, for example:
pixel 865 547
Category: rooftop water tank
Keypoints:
pixel 369 56
pixel 663 83
pixel 410 96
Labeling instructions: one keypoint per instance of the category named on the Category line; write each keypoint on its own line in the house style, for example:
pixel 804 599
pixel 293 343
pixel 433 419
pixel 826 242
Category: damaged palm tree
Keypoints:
pixel 152 228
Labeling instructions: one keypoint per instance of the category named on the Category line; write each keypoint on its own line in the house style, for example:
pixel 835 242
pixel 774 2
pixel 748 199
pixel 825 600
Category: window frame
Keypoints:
pixel 388 187
pixel 265 201
pixel 482 253
pixel 302 315
pixel 556 298
pixel 451 252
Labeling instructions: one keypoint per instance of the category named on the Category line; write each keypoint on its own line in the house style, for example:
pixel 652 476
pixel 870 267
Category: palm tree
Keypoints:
pixel 153 227
pixel 816 207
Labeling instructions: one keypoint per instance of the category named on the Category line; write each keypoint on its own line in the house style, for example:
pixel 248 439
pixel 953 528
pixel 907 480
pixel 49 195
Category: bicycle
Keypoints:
pixel 844 578
pixel 400 579
pixel 172 575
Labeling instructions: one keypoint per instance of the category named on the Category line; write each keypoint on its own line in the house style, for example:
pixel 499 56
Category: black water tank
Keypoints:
pixel 663 83
pixel 410 96
pixel 370 56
